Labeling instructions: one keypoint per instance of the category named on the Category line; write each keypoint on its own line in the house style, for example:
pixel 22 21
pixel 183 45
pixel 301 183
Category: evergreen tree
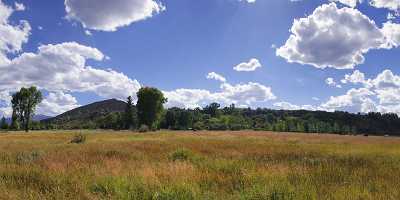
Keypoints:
pixel 130 116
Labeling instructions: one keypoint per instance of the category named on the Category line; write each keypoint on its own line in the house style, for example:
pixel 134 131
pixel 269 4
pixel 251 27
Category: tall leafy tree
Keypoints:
pixel 150 106
pixel 24 105
pixel 170 118
pixel 185 119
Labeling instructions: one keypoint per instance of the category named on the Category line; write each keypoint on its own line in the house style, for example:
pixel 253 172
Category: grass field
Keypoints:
pixel 198 165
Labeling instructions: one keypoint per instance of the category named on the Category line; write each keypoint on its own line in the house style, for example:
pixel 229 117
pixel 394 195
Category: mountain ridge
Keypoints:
pixel 84 114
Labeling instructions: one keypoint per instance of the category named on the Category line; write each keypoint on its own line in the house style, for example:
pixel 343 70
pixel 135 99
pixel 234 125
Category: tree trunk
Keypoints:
pixel 27 120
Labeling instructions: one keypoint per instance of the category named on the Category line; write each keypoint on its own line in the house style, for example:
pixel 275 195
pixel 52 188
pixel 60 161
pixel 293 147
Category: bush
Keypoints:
pixel 181 155
pixel 144 128
pixel 79 139
pixel 236 127
pixel 198 126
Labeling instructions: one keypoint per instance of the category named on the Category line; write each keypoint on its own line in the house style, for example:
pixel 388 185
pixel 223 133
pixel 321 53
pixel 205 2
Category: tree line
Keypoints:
pixel 149 114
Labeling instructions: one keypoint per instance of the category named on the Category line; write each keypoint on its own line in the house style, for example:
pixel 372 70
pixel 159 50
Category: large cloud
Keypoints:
pixel 62 67
pixel 332 37
pixel 108 15
pixel 354 100
pixel 380 94
pixel 12 37
pixel 240 94
pixel 56 103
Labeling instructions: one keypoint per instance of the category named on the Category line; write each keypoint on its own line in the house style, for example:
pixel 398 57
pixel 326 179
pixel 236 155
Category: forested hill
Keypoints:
pixel 86 116
pixel 110 114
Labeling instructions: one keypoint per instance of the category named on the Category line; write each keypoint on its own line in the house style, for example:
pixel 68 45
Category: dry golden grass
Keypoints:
pixel 198 165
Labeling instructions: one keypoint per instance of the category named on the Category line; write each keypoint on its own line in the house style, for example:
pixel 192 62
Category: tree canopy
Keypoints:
pixel 24 105
pixel 150 106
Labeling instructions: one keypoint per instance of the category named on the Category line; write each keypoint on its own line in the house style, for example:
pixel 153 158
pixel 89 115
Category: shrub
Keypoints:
pixel 181 155
pixel 236 127
pixel 144 128
pixel 198 126
pixel 79 139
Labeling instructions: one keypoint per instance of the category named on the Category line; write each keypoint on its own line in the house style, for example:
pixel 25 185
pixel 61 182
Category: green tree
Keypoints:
pixel 130 115
pixel 14 121
pixel 171 118
pixel 3 123
pixel 150 106
pixel 185 120
pixel 24 105
pixel 212 109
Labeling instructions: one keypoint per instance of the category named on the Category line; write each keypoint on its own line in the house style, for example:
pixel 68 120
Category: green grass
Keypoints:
pixel 205 165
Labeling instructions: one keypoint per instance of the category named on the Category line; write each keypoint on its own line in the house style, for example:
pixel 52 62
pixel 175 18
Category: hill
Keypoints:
pixel 83 115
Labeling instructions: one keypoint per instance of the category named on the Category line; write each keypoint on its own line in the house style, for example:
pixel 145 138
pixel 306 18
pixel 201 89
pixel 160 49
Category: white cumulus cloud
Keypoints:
pixel 215 76
pixel 62 67
pixel 351 3
pixel 380 94
pixel 388 4
pixel 240 94
pixel 331 82
pixel 57 102
pixel 106 15
pixel 252 65
pixel 392 33
pixel 12 36
pixel 288 106
pixel 332 37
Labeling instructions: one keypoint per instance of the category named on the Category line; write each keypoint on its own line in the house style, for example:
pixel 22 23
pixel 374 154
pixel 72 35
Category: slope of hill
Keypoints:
pixel 86 114
pixel 40 117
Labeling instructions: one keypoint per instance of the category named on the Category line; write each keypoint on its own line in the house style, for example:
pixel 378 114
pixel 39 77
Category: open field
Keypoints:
pixel 198 165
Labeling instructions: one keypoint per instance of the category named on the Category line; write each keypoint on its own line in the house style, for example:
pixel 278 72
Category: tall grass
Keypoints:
pixel 205 165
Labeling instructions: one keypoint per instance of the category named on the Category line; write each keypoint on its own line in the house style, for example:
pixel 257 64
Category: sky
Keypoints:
pixel 281 54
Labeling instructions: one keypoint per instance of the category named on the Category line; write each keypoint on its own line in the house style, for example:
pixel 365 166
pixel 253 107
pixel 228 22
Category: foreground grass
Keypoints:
pixel 204 165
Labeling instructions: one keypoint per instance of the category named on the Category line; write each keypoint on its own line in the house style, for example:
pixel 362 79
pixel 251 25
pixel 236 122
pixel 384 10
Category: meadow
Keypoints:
pixel 170 165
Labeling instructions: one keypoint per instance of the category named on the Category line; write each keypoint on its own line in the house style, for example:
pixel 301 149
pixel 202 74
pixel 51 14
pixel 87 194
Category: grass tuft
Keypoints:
pixel 78 139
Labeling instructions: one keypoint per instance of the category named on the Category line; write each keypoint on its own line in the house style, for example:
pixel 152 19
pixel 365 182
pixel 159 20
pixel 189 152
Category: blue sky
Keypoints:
pixel 175 44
